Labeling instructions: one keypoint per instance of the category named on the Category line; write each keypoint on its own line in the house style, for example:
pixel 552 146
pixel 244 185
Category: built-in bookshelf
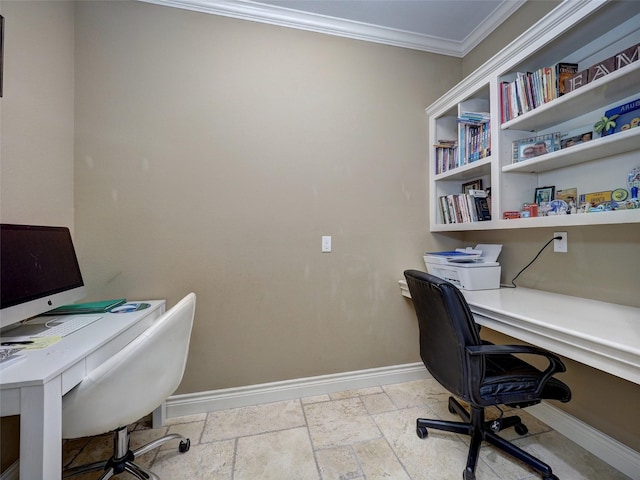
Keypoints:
pixel 579 32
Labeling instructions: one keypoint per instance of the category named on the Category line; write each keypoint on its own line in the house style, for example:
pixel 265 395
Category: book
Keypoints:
pixel 477 193
pixel 465 207
pixel 482 208
pixel 474 136
pixel 91 307
pixel 564 71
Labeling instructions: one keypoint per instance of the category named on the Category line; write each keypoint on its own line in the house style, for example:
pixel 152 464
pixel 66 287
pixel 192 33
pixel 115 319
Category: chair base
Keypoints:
pixel 475 426
pixel 123 458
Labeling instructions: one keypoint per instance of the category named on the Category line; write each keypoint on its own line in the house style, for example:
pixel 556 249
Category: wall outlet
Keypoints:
pixel 560 245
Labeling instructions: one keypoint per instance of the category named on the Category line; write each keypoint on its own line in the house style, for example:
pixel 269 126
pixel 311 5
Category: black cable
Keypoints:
pixel 529 264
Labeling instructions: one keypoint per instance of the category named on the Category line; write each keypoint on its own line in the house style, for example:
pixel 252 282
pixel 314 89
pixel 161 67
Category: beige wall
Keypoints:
pixel 36 152
pixel 36 128
pixel 212 154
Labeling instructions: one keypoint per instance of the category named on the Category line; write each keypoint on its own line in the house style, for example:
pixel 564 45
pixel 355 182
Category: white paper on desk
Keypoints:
pixel 490 252
pixel 10 355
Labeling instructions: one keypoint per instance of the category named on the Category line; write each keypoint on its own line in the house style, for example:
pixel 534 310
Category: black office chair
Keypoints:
pixel 478 372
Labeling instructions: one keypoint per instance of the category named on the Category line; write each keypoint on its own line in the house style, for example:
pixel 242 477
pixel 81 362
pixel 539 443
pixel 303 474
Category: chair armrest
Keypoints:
pixel 491 349
pixel 555 364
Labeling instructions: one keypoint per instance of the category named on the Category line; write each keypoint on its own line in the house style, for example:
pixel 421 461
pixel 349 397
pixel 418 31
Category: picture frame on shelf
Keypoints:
pixel 569 195
pixel 472 185
pixel 531 147
pixel 544 194
pixel 576 136
pixel 525 151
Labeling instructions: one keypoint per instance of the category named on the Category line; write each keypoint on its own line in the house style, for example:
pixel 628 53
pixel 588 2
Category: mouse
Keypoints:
pixel 124 309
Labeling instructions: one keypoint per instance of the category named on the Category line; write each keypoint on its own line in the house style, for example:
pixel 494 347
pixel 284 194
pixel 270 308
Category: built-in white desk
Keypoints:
pixel 33 387
pixel 599 334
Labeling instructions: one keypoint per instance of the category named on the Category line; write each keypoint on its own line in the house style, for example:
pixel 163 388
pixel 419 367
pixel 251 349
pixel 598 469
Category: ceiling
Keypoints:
pixel 448 27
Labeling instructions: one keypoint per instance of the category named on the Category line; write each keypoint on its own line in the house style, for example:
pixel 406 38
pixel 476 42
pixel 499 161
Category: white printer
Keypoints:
pixel 467 268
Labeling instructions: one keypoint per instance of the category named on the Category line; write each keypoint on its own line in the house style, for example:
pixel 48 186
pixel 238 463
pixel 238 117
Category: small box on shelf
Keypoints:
pixel 620 118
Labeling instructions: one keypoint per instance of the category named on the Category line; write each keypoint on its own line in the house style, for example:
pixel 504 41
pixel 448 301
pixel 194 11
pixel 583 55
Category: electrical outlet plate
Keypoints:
pixel 560 245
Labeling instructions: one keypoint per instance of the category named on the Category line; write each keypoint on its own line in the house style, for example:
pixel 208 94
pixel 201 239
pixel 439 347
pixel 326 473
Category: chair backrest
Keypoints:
pixel 446 328
pixel 136 380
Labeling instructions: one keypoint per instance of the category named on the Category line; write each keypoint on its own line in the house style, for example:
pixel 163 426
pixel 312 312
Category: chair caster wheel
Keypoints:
pixel 184 446
pixel 468 474
pixel 422 432
pixel 521 429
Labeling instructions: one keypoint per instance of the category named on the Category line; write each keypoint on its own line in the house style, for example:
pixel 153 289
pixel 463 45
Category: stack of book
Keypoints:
pixel 532 89
pixel 474 136
pixel 472 206
pixel 446 155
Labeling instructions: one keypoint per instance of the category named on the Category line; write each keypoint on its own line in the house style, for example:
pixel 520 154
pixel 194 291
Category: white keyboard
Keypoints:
pixel 69 325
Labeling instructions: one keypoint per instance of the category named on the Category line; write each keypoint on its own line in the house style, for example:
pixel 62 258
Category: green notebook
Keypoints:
pixel 91 307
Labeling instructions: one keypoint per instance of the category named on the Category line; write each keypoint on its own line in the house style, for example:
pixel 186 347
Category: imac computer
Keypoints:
pixel 39 271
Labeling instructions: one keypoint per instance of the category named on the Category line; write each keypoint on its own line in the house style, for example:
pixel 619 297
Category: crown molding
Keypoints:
pixel 284 17
pixel 497 17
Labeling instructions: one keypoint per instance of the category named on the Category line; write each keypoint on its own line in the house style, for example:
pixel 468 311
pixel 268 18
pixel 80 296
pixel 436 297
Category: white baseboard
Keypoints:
pixel 201 402
pixel 609 450
pixel 616 454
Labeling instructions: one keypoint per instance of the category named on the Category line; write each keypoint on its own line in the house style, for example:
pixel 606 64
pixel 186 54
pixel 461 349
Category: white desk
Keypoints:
pixel 603 335
pixel 33 387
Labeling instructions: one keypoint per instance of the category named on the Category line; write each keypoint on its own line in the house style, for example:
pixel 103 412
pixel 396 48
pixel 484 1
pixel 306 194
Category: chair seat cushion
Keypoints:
pixel 507 375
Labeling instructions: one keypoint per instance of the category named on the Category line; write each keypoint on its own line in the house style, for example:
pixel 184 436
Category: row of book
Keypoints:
pixel 531 89
pixel 446 155
pixel 473 143
pixel 465 207
pixel 474 136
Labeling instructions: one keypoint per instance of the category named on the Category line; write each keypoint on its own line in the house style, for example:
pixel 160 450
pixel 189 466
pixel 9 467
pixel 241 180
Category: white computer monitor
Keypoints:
pixel 39 271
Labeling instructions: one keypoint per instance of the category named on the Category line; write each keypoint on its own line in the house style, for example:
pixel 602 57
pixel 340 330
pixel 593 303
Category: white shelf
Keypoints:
pixel 576 31
pixel 464 227
pixel 606 90
pixel 599 218
pixel 471 170
pixel 598 148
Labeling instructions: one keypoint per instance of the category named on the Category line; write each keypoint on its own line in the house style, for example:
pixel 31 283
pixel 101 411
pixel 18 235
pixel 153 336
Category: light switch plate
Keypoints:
pixel 326 243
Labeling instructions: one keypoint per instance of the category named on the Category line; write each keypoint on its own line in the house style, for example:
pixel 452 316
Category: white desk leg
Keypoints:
pixel 159 415
pixel 41 431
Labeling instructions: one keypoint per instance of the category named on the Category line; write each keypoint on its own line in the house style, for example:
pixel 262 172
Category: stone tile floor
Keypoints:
pixel 366 434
